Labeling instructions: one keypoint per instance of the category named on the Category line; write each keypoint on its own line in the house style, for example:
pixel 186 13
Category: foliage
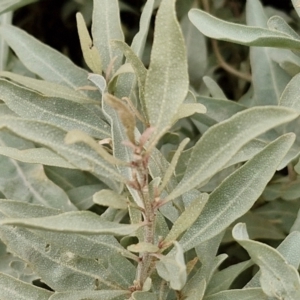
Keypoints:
pixel 132 181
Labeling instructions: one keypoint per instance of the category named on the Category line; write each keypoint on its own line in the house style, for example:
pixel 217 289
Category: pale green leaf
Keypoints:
pixel 139 40
pixel 278 278
pixel 5 18
pixel 291 96
pixel 237 193
pixel 77 136
pixel 252 35
pixel 111 199
pixel 90 53
pixel 167 78
pixel 280 24
pixel 186 219
pixel 12 289
pixel 80 155
pixel 49 89
pixel 196 293
pixel 143 247
pixel 171 168
pixel 42 156
pixel 188 109
pixel 172 268
pixel 268 78
pixel 138 67
pixel 91 295
pixel 46 62
pixel 106 26
pixel 8 5
pixel 196 50
pixel 245 294
pixel 83 222
pixel 222 280
pixel 57 111
pixel 88 246
pixel 28 182
pixel 213 88
pixel 82 196
pixel 143 296
pixel 222 141
pixel 59 268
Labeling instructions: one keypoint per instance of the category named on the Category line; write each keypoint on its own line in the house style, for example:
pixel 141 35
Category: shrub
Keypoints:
pixel 126 182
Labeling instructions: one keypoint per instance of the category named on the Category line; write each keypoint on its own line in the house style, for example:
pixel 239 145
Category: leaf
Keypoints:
pixel 60 112
pixel 290 96
pixel 46 62
pixel 188 109
pixel 42 156
pixel 237 193
pixel 252 35
pixel 143 247
pixel 88 246
pixel 77 136
pixel 296 6
pixel 278 278
pixel 83 222
pixel 222 141
pixel 186 219
pixel 5 18
pixel 196 50
pixel 244 294
pixel 198 292
pixel 49 89
pixel 90 53
pixel 138 295
pixel 138 67
pixel 268 78
pixel 171 168
pixel 167 78
pixel 8 5
pixel 126 116
pixel 139 40
pixel 60 269
pixel 278 23
pixel 12 288
pixel 173 268
pixel 81 156
pixel 28 182
pixel 90 295
pixel 214 88
pixel 111 199
pixel 106 26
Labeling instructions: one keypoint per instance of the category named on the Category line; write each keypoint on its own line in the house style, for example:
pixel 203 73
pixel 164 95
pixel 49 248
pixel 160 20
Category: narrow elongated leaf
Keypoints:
pixel 237 193
pixel 252 36
pixel 106 26
pixel 245 294
pixel 46 62
pixel 51 136
pixel 42 156
pixel 60 112
pixel 290 96
pixel 278 23
pixel 143 247
pixel 186 219
pixel 220 143
pixel 28 182
pixel 111 199
pixel 83 222
pixel 91 295
pixel 167 78
pixel 139 40
pixel 12 289
pixel 88 246
pixel 138 295
pixel 172 268
pixel 188 109
pixel 59 268
pixel 90 53
pixel 278 278
pixel 49 89
pixel 268 78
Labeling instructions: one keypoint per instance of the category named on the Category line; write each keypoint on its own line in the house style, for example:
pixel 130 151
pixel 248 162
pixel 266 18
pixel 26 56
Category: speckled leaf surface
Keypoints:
pixel 235 196
pixel 167 79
